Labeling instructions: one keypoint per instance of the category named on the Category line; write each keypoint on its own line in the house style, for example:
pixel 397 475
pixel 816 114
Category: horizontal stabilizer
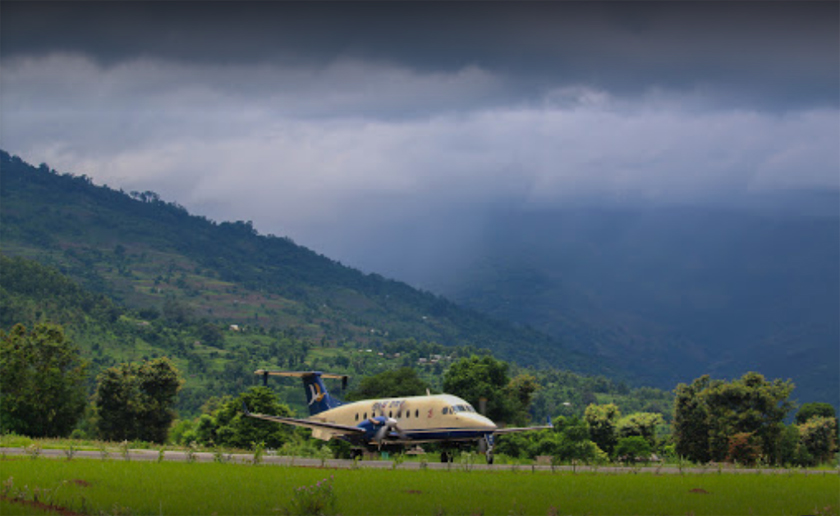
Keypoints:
pixel 300 374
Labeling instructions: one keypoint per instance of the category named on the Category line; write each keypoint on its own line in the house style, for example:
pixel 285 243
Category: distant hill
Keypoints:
pixel 154 255
pixel 217 360
pixel 671 292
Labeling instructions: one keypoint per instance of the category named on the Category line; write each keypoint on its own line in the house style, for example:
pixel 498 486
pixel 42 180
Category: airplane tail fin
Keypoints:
pixel 317 396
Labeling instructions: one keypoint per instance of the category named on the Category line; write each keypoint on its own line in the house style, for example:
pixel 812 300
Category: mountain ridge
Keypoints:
pixel 146 252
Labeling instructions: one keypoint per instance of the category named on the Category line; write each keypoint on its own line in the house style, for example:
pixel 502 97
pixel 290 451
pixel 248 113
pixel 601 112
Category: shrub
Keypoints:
pixel 317 499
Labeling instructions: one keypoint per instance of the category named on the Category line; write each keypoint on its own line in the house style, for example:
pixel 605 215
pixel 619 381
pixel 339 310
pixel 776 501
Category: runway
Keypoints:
pixel 270 459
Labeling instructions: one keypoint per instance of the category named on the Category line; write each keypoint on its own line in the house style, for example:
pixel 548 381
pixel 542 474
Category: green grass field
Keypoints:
pixel 108 487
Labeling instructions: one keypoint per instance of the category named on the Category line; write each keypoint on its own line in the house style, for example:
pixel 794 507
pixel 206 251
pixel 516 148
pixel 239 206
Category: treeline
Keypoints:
pixel 748 422
pixel 43 394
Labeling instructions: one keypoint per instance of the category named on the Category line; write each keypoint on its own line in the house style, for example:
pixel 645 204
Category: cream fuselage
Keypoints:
pixel 420 418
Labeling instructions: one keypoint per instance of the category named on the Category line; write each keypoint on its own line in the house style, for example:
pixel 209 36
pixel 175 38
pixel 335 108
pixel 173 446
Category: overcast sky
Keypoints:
pixel 317 119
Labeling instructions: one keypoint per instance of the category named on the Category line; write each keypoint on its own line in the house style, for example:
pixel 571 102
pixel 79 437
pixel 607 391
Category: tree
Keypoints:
pixel 176 311
pixel 568 440
pixel 521 389
pixel 708 413
pixel 602 420
pixel 481 377
pixel 789 449
pixel 809 410
pixel 819 436
pixel 691 421
pixel 751 405
pixel 389 384
pixel 641 424
pixel 42 382
pixel 135 400
pixel 228 425
pixel 211 335
pixel 574 442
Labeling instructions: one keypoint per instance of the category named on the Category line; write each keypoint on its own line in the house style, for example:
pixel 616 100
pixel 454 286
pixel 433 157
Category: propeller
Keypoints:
pixel 386 425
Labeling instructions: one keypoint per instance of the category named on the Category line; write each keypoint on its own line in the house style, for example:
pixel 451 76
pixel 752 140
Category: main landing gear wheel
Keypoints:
pixel 486 445
pixel 444 457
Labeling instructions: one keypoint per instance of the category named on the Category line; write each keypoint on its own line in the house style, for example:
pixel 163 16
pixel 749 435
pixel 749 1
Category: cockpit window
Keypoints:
pixel 445 410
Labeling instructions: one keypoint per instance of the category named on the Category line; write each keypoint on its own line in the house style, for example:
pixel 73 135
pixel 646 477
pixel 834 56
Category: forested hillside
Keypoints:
pixel 153 255
pixel 216 359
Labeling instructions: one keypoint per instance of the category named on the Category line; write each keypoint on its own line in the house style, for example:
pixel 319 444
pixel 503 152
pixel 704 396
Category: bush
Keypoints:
pixel 317 499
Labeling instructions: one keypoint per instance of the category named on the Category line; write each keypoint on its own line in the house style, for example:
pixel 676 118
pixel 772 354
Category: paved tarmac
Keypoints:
pixel 270 459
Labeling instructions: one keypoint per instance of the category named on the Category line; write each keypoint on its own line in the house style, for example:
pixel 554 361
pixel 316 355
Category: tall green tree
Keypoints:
pixel 135 400
pixel 42 382
pixel 485 377
pixel 691 424
pixel 389 384
pixel 521 389
pixel 602 421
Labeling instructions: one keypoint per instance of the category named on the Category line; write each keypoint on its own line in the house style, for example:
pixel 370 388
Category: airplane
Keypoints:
pixel 404 421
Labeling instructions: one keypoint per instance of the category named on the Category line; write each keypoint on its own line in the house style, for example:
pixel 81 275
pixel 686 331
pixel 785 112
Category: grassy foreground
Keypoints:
pixel 117 487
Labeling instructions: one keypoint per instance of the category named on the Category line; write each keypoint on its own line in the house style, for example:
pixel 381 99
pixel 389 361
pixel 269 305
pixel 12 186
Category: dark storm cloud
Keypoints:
pixel 768 54
pixel 319 120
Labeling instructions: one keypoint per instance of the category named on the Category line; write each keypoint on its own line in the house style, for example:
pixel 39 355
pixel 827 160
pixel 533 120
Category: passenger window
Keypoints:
pixel 357 416
pixel 365 416
pixel 390 414
pixel 417 413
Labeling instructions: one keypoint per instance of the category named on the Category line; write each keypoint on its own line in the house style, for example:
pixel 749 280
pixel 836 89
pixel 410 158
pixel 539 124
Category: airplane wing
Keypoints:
pixel 331 428
pixel 523 429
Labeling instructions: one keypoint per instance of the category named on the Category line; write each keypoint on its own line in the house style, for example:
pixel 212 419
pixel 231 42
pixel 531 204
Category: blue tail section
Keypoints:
pixel 317 396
